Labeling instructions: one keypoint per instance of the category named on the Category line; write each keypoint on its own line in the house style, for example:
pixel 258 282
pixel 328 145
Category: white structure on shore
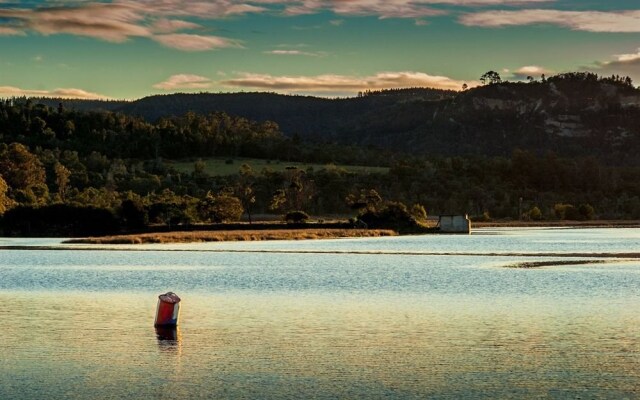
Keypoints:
pixel 454 223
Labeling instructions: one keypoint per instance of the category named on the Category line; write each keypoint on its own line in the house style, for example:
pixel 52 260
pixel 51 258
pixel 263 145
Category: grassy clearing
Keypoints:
pixel 220 167
pixel 235 235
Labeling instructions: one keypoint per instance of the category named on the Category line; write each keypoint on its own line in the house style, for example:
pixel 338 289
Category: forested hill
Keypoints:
pixel 573 114
pixel 307 116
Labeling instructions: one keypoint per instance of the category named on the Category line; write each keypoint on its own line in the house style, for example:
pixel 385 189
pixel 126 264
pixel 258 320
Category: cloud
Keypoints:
pixel 530 70
pixel 379 8
pixel 110 22
pixel 168 21
pixel 590 21
pixel 296 53
pixel 627 58
pixel 211 9
pixel 164 25
pixel 344 83
pixel 191 42
pixel 389 9
pixel 119 21
pixel 622 64
pixel 185 81
pixel 65 93
pixel 8 31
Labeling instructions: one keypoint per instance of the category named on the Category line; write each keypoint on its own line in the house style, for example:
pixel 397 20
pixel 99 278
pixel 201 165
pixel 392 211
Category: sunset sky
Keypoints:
pixel 126 49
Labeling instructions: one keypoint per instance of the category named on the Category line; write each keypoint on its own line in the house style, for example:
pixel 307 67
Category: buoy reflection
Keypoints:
pixel 169 339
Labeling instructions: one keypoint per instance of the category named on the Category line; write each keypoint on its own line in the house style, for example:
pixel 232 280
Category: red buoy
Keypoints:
pixel 168 309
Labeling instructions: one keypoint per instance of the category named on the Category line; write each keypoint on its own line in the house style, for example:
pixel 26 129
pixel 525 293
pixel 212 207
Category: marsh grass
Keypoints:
pixel 553 263
pixel 235 235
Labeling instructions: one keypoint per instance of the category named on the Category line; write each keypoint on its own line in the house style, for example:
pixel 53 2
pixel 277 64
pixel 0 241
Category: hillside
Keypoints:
pixel 575 114
pixel 572 115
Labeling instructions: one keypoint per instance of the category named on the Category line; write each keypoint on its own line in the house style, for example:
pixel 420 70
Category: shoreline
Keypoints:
pixel 270 231
pixel 614 223
pixel 234 235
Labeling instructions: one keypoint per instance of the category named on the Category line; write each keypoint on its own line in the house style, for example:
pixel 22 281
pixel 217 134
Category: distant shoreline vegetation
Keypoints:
pixel 236 235
pixel 563 148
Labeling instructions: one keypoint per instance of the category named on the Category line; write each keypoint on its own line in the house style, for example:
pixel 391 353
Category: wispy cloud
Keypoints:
pixel 379 8
pixel 622 64
pixel 120 21
pixel 344 83
pixel 534 71
pixel 185 81
pixel 65 93
pixel 389 9
pixel 191 42
pixel 204 9
pixel 165 25
pixel 591 21
pixel 296 53
pixel 9 31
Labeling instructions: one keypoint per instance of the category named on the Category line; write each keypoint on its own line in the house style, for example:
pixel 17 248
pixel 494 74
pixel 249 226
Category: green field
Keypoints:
pixel 222 167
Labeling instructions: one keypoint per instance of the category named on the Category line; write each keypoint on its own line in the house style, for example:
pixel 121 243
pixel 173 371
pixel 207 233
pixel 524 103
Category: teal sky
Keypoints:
pixel 126 49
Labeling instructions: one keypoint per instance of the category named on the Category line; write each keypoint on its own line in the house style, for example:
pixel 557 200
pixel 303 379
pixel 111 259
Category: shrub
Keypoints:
pixel 535 214
pixel 418 212
pixel 586 211
pixel 296 216
pixel 393 215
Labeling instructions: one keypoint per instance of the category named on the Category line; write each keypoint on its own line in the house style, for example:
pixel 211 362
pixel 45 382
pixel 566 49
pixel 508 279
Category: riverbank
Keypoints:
pixel 234 235
pixel 617 223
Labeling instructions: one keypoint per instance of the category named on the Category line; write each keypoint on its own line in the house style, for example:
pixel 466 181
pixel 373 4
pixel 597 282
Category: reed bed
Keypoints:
pixel 235 235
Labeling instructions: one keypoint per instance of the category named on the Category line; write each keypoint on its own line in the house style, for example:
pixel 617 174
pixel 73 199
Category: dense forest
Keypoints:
pixel 571 114
pixel 565 147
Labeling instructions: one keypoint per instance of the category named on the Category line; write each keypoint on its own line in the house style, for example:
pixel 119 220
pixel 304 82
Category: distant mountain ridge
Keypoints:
pixel 574 114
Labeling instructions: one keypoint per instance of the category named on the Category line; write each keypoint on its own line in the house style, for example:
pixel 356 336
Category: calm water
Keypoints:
pixel 409 317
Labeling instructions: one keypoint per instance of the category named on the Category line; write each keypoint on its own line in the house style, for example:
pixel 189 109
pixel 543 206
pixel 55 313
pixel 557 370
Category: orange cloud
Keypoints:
pixel 65 93
pixel 184 81
pixel 191 42
pixel 344 83
pixel 590 21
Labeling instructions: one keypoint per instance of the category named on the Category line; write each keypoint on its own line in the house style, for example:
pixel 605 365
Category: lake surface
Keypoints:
pixel 404 317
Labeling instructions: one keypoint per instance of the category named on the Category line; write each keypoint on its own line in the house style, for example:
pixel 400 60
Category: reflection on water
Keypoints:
pixel 170 335
pixel 80 325
pixel 326 346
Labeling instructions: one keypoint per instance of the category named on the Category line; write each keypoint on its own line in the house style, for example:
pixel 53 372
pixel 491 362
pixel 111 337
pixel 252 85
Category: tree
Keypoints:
pixel 133 214
pixel 20 168
pixel 244 189
pixel 535 214
pixel 491 78
pixel 418 212
pixel 5 201
pixel 220 208
pixel 365 200
pixel 586 211
pixel 62 179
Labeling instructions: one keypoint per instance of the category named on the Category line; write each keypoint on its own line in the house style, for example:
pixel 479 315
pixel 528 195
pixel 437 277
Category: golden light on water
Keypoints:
pixel 342 345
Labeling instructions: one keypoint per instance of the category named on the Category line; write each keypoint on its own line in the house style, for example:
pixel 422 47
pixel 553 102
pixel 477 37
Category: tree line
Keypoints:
pixel 126 175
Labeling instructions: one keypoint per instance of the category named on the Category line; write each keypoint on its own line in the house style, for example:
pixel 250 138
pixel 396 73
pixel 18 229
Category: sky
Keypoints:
pixel 128 49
